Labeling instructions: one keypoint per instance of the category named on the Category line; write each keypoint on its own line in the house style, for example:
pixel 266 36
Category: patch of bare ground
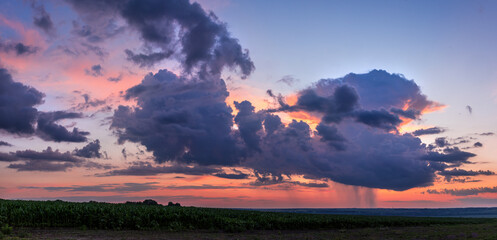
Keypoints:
pixel 463 231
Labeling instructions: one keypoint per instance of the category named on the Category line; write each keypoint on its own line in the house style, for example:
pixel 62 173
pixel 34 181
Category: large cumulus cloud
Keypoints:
pixel 349 153
pixel 179 119
pixel 200 40
pixel 185 120
pixel 377 99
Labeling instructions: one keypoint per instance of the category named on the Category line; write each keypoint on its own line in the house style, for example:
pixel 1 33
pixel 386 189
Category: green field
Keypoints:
pixel 93 216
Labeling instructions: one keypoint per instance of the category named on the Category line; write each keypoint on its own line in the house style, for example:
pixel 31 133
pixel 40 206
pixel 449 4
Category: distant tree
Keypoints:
pixel 171 204
pixel 150 202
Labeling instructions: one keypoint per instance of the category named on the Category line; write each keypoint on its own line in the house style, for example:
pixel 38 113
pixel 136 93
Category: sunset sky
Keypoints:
pixel 253 104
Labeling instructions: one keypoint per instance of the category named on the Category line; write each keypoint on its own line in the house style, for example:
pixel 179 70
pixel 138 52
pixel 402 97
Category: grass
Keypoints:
pixel 28 218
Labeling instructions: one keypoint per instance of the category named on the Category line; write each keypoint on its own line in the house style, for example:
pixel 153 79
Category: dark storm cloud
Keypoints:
pixel 334 107
pixel 147 169
pixel 190 117
pixel 440 166
pixel 379 119
pixel 177 112
pixel 331 136
pixel 272 123
pixel 17 101
pixel 91 150
pixel 428 131
pixel 464 192
pixel 376 160
pixel 292 150
pixel 2 143
pixel 204 41
pixel 380 89
pixel 249 124
pixel 377 90
pixel 365 98
pixel 42 19
pixel 49 130
pixel 95 71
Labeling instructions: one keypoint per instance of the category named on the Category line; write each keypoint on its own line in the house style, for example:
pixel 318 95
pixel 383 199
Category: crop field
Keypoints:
pixel 93 216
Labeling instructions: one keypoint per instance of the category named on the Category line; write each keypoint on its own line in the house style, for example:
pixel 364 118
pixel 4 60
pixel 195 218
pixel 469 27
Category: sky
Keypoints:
pixel 251 104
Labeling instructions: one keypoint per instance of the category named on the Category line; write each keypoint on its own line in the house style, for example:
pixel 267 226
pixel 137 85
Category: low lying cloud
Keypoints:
pixel 51 161
pixel 428 131
pixel 147 169
pixel 122 187
pixel 464 192
pixel 449 174
pixel 236 175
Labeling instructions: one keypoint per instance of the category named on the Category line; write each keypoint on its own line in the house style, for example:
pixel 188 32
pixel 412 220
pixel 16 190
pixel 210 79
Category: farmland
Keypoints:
pixel 95 216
